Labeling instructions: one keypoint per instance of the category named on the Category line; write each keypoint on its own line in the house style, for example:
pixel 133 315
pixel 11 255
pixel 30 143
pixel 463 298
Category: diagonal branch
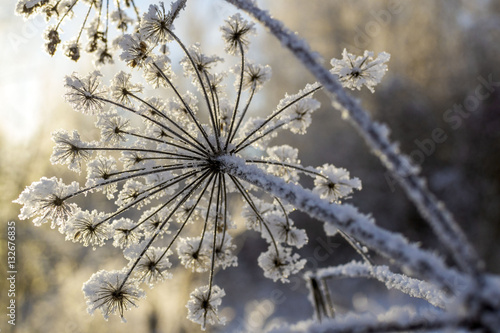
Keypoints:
pixel 410 286
pixel 370 324
pixel 430 207
pixel 350 220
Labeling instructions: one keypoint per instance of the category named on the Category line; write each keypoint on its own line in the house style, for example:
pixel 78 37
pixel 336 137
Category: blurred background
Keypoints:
pixel 443 54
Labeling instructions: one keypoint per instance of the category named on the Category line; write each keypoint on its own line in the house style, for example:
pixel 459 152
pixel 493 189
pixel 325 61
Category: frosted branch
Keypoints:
pixel 396 320
pixel 347 218
pixel 376 135
pixel 410 286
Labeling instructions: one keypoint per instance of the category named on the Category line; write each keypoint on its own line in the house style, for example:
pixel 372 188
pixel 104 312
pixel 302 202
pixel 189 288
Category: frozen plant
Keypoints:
pixel 475 302
pixel 98 23
pixel 175 169
pixel 173 162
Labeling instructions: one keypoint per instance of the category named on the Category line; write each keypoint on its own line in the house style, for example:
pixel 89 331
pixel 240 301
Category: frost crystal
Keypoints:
pixel 203 305
pixel 334 183
pixel 279 263
pixel 111 293
pixel 46 199
pixel 153 265
pixel 84 94
pixel 354 72
pixel 88 228
pixel 135 50
pixel 194 255
pixel 235 34
pixel 69 149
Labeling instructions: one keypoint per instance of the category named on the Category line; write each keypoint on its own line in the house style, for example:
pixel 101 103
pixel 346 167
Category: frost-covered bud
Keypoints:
pixel 99 173
pixel 125 233
pixel 154 108
pixel 203 305
pixel 253 215
pixel 281 229
pixel 122 20
pixel 72 50
pixel 85 94
pixel 224 250
pixel 280 156
pixel 112 293
pixel 202 62
pixel 29 7
pixel 70 150
pixel 180 109
pixel 122 89
pixel 188 212
pixel 297 116
pixel 135 50
pixel 235 34
pixel 46 199
pixel 152 266
pixel 134 158
pixel 153 219
pixel 280 265
pixel 156 24
pixel 194 254
pixel 103 56
pixel 354 72
pixel 52 37
pixel 254 76
pixel 215 83
pixel 88 228
pixel 159 72
pixel 114 128
pixel 334 183
pixel 132 192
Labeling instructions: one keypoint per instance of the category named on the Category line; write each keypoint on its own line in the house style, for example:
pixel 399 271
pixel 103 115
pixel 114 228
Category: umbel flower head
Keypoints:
pixel 165 169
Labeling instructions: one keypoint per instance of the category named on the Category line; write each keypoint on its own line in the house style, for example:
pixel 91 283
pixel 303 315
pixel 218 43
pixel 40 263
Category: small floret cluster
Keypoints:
pixel 99 22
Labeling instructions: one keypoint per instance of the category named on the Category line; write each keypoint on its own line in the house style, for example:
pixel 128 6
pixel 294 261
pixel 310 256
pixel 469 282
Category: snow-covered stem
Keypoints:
pixel 348 219
pixel 370 324
pixel 357 247
pixel 410 286
pixel 430 207
pixel 322 306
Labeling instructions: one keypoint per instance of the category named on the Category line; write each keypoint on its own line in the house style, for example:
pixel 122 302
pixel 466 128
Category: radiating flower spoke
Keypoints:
pixel 161 159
